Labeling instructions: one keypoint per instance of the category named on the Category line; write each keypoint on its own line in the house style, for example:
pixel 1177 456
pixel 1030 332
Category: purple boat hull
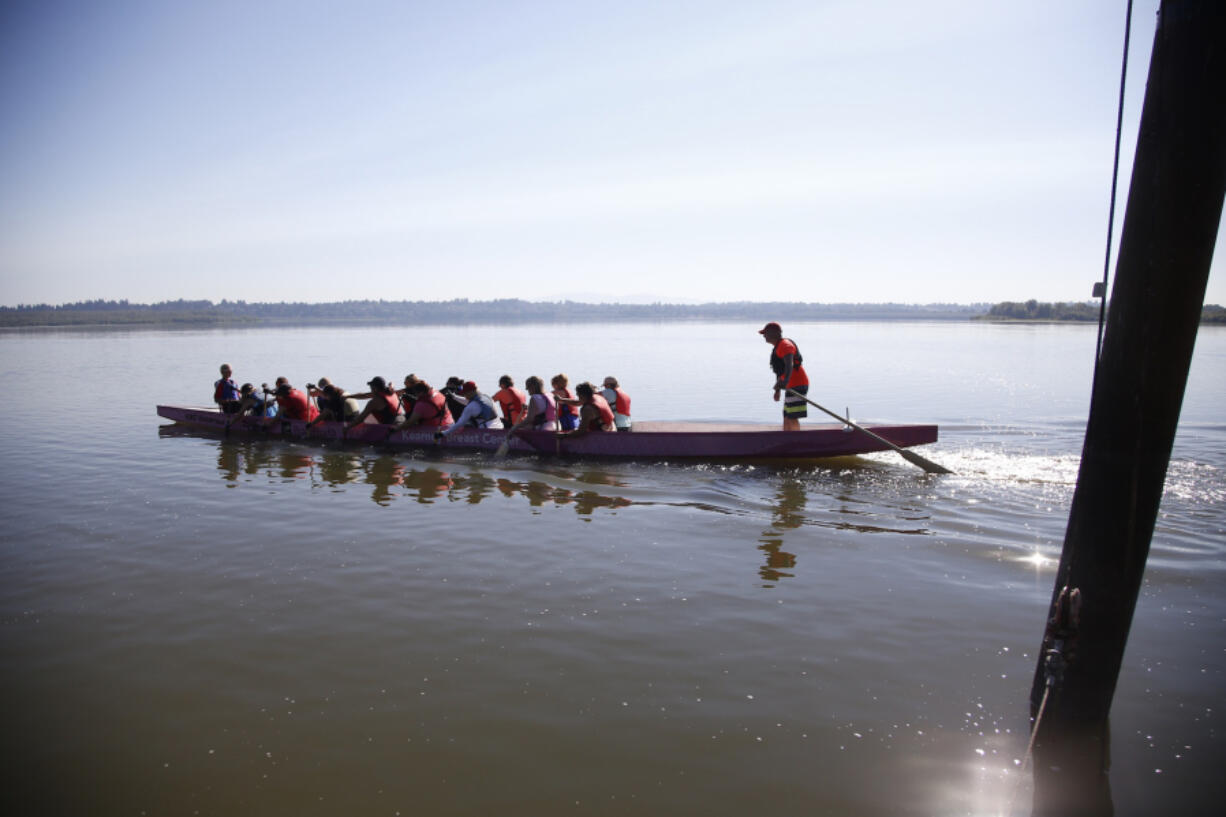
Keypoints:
pixel 648 441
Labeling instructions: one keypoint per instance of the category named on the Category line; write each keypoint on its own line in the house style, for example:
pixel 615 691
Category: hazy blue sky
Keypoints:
pixel 880 150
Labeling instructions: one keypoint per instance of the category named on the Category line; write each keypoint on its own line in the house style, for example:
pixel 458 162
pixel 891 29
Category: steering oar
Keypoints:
pixel 910 456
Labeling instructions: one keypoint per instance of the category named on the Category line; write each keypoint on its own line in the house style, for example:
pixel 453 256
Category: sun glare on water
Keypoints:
pixel 1037 560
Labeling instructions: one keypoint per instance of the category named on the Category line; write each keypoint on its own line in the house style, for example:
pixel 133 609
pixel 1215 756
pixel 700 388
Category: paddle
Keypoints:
pixel 506 445
pixel 910 456
pixel 264 425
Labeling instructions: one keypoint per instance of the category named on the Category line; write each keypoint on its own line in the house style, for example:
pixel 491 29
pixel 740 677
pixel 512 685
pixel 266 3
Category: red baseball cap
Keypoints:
pixel 772 325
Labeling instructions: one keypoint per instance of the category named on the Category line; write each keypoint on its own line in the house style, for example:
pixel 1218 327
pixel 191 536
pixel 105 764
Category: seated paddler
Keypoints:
pixel 595 414
pixel 619 401
pixel 255 403
pixel 479 410
pixel 511 399
pixel 384 405
pixel 429 407
pixel 292 404
pixel 225 391
pixel 455 401
pixel 542 409
pixel 568 404
pixel 407 398
pixel 335 405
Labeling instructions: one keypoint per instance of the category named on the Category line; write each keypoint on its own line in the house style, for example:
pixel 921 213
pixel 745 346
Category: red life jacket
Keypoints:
pixel 605 421
pixel 295 406
pixel 438 401
pixel 778 365
pixel 512 401
pixel 391 408
pixel 622 405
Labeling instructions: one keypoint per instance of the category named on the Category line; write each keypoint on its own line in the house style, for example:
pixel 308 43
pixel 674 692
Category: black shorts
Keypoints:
pixel 795 407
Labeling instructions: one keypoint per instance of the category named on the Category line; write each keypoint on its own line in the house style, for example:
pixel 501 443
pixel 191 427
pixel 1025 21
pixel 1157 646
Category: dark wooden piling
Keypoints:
pixel 1166 247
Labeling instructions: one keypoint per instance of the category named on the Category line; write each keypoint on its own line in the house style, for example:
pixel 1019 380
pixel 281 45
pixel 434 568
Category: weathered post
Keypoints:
pixel 1174 207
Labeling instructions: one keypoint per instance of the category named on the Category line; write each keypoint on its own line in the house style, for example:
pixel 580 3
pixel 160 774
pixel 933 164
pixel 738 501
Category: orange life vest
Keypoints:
pixel 605 421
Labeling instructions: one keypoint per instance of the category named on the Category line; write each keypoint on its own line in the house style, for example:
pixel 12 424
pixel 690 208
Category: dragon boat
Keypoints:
pixel 648 441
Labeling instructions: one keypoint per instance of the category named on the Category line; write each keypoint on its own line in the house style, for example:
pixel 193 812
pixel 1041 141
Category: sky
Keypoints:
pixel 869 151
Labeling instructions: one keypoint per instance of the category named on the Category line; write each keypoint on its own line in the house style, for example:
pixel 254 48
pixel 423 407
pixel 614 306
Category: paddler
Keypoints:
pixel 595 414
pixel 384 404
pixel 455 402
pixel 512 400
pixel 542 410
pixel 786 362
pixel 225 391
pixel 255 403
pixel 479 411
pixel 429 407
pixel 334 404
pixel 406 394
pixel 619 401
pixel 292 404
pixel 568 405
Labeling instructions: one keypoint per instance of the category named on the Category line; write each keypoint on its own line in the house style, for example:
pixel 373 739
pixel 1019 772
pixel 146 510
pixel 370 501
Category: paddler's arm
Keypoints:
pixel 782 382
pixel 471 409
pixel 587 412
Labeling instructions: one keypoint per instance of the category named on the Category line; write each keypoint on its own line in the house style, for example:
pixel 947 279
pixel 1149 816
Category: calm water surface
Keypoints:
pixel 247 627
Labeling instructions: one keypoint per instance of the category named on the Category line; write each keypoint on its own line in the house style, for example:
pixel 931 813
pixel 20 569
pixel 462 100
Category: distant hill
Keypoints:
pixel 459 311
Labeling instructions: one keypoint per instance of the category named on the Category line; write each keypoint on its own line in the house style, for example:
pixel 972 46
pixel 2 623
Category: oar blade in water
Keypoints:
pixel 928 465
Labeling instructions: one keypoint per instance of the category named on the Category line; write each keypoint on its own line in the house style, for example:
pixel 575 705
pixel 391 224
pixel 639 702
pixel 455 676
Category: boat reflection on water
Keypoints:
pixel 540 493
pixel 793 504
pixel 397 476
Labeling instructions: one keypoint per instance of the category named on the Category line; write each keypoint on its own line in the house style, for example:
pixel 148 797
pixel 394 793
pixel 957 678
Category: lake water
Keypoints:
pixel 249 627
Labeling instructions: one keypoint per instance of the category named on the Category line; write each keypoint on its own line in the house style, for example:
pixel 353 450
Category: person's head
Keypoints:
pixel 226 371
pixel 377 385
pixel 247 389
pixel 282 381
pixel 534 385
pixel 419 389
pixel 585 391
pixel 610 382
pixel 469 388
pixel 772 333
pixel 411 380
pixel 283 389
pixel 323 383
pixel 560 381
pixel 505 381
pixel 333 391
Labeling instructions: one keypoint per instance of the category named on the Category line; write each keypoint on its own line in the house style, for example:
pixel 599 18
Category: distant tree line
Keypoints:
pixel 512 310
pixel 457 311
pixel 1033 310
pixel 1213 314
